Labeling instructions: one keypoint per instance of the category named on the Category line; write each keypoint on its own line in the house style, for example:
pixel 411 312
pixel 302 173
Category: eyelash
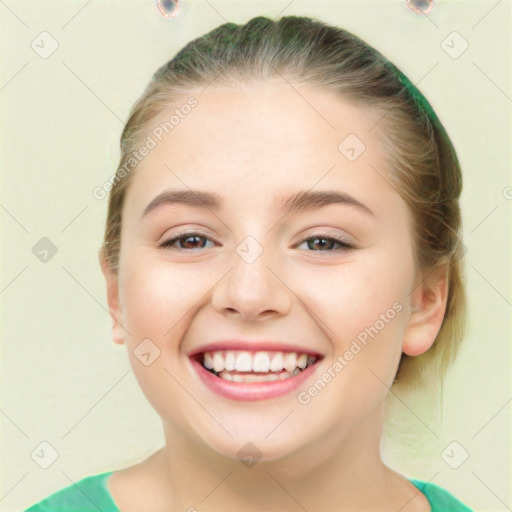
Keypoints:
pixel 345 246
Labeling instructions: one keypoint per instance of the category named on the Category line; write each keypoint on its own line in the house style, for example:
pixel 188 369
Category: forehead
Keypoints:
pixel 275 116
pixel 243 139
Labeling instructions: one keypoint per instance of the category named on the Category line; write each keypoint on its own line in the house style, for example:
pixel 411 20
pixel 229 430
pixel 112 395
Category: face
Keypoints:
pixel 242 283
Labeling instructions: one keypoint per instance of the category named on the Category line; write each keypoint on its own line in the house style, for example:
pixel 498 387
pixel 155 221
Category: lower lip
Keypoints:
pixel 250 391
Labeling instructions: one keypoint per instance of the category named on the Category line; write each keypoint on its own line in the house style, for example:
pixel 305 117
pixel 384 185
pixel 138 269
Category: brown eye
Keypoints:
pixel 186 240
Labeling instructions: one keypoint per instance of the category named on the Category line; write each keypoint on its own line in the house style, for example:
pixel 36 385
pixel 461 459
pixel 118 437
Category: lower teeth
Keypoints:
pixel 255 377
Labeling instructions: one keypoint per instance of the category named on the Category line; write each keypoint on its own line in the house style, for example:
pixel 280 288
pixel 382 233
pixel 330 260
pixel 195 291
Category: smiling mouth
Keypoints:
pixel 257 366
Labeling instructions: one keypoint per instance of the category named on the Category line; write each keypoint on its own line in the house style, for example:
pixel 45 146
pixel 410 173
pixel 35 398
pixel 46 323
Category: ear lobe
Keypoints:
pixel 428 307
pixel 114 307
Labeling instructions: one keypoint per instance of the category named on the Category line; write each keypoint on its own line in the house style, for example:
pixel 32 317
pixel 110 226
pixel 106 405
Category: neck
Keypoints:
pixel 338 472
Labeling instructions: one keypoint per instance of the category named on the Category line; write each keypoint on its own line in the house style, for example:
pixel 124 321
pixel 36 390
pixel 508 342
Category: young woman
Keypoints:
pixel 282 247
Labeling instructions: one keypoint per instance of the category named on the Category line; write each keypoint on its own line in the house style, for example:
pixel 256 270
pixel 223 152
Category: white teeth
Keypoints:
pixel 261 362
pixel 218 362
pixel 290 361
pixel 223 361
pixel 229 361
pixel 276 364
pixel 251 377
pixel 208 361
pixel 243 362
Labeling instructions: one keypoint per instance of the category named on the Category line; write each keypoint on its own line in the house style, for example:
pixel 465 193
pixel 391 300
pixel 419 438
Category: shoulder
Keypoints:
pixel 440 499
pixel 89 493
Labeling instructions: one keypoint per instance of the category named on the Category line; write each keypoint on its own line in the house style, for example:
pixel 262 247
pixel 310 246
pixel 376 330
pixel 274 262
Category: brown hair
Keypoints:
pixel 421 160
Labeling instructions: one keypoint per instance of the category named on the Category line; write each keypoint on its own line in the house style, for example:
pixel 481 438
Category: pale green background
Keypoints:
pixel 65 382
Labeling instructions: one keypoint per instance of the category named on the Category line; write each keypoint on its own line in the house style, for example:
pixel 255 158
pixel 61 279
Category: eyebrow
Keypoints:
pixel 297 202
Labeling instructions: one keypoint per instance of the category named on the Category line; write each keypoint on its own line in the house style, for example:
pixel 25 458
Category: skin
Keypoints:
pixel 254 145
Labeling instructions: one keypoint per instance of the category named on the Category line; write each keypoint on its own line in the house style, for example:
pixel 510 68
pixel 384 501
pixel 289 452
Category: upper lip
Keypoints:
pixel 253 346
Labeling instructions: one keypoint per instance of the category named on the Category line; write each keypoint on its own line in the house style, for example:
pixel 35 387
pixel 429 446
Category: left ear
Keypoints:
pixel 428 306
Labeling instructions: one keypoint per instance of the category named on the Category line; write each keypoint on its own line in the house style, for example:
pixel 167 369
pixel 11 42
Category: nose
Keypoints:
pixel 253 288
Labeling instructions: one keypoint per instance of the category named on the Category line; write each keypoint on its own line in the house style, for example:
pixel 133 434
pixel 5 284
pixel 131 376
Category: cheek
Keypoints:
pixel 156 297
pixel 353 296
pixel 157 300
pixel 363 306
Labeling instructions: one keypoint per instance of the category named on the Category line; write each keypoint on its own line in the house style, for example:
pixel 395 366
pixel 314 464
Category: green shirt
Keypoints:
pixel 91 494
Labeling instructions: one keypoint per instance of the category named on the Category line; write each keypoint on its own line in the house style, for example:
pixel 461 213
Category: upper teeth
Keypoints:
pixel 244 361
